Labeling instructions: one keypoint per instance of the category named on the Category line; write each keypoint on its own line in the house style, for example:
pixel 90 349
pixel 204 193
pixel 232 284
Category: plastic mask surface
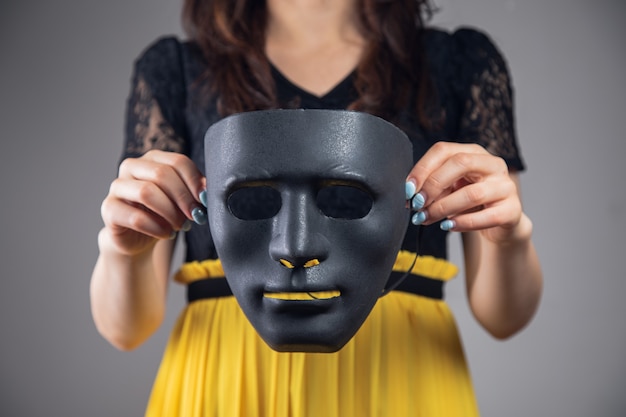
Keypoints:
pixel 307 212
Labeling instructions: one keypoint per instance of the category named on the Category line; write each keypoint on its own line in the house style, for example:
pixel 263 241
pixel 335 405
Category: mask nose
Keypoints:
pixel 297 241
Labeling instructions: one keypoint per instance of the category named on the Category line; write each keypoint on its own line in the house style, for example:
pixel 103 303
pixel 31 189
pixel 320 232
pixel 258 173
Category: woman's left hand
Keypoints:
pixel 467 187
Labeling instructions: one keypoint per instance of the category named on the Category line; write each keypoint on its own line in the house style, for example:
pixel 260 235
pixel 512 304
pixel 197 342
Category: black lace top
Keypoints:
pixel 165 111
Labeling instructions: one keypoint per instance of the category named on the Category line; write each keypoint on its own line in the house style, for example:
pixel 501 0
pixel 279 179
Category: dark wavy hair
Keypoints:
pixel 391 76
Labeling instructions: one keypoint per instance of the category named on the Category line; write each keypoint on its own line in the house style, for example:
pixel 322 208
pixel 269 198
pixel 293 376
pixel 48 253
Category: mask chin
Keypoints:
pixel 307 212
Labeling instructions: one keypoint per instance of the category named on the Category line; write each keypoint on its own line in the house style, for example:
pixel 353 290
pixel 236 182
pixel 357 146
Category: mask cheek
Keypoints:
pixel 378 236
pixel 240 243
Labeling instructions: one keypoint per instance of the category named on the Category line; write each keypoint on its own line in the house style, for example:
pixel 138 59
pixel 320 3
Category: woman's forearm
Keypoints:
pixel 128 292
pixel 504 280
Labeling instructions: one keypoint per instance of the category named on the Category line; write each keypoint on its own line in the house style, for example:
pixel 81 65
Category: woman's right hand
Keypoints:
pixel 153 197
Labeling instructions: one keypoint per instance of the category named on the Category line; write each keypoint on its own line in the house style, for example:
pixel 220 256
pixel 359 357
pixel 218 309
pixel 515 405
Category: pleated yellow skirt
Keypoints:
pixel 406 360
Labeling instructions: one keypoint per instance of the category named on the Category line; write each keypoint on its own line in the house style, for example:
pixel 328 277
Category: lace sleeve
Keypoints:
pixel 147 127
pixel 487 99
pixel 154 114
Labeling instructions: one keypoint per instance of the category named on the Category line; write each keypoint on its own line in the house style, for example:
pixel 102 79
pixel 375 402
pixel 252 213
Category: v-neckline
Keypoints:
pixel 339 92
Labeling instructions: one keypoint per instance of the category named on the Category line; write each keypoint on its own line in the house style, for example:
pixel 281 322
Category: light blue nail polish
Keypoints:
pixel 409 189
pixel 186 226
pixel 418 201
pixel 418 218
pixel 447 225
pixel 173 235
pixel 203 198
pixel 199 215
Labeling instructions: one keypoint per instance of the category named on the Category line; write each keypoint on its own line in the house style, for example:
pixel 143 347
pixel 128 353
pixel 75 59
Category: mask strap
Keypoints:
pixel 418 250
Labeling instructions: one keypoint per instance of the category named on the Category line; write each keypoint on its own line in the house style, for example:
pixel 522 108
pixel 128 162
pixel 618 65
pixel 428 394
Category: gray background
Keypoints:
pixel 65 68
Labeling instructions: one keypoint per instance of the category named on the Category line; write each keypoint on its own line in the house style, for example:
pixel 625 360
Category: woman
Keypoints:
pixel 449 92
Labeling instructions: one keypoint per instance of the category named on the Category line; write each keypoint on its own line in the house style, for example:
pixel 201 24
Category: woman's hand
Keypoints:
pixel 468 187
pixel 472 191
pixel 153 197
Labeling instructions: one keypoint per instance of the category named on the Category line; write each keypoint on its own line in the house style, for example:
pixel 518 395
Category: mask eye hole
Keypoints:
pixel 254 202
pixel 342 201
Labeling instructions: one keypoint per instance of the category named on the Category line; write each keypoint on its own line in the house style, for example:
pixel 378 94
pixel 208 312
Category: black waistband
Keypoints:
pixel 414 284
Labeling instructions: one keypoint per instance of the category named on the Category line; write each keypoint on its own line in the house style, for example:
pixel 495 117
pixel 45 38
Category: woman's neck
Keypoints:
pixel 314 43
pixel 312 22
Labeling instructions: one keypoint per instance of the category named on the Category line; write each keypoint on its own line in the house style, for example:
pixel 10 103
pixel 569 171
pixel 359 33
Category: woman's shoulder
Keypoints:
pixel 457 57
pixel 168 50
pixel 459 40
pixel 168 65
pixel 163 50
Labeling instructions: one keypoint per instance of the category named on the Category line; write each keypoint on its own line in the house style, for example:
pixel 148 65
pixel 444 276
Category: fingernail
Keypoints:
pixel 419 218
pixel 409 189
pixel 418 201
pixel 172 235
pixel 186 226
pixel 199 215
pixel 203 198
pixel 447 225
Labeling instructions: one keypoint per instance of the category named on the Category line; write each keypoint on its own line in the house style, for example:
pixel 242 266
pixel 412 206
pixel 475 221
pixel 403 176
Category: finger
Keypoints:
pixel 435 157
pixel 461 168
pixel 469 198
pixel 495 216
pixel 149 196
pixel 167 178
pixel 185 167
pixel 120 217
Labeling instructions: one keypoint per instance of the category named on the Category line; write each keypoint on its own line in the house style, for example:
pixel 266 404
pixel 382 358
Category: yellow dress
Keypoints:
pixel 406 360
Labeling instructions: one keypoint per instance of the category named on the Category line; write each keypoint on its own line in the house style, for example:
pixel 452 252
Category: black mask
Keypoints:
pixel 307 211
